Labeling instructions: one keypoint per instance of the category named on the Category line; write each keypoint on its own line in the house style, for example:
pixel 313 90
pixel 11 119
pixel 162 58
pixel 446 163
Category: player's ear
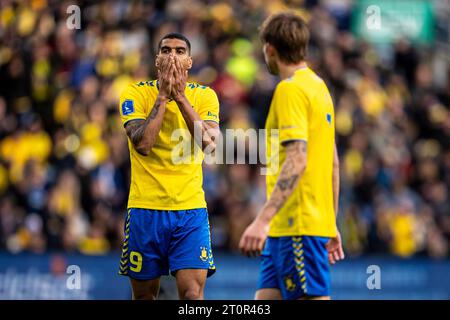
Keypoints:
pixel 270 50
pixel 157 60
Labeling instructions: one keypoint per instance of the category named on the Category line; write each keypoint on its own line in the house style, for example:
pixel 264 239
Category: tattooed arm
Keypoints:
pixel 143 133
pixel 291 171
pixel 293 167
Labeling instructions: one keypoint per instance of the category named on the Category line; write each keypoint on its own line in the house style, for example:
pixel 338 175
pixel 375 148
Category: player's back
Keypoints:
pixel 302 109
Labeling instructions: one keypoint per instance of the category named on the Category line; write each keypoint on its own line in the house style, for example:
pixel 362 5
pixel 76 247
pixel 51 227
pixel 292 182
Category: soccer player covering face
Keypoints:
pixel 166 225
pixel 296 232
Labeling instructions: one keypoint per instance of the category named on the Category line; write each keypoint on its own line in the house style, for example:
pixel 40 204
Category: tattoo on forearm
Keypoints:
pixel 154 111
pixel 287 183
pixel 289 175
pixel 136 129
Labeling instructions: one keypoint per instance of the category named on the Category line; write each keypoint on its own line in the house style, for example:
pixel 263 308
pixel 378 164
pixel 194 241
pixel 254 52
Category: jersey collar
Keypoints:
pixel 157 87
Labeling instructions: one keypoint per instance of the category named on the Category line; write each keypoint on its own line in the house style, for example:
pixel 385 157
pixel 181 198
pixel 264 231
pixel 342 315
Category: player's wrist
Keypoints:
pixel 163 97
pixel 266 215
pixel 179 96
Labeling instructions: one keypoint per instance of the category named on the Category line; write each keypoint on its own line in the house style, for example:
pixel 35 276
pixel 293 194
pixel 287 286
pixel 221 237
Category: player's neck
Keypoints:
pixel 288 70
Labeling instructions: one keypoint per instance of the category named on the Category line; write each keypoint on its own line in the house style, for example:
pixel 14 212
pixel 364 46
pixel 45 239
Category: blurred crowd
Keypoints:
pixel 64 162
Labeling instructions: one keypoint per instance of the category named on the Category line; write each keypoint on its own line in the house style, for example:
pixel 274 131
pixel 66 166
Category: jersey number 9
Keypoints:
pixel 136 261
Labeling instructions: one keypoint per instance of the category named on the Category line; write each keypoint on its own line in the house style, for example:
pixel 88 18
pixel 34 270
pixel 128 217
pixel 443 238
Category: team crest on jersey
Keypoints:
pixel 289 283
pixel 290 221
pixel 329 118
pixel 203 254
pixel 127 107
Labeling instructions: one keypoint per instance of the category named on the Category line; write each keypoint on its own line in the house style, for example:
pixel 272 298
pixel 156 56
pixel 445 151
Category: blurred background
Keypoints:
pixel 64 162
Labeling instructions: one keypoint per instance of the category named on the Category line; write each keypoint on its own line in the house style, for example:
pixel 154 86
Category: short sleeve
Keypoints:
pixel 208 109
pixel 291 107
pixel 132 104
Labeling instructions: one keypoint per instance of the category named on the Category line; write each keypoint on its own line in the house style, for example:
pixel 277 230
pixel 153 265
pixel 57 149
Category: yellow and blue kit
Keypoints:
pixel 295 258
pixel 166 225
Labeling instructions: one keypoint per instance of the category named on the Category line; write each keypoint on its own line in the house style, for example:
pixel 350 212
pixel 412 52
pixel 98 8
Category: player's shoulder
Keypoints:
pixel 141 86
pixel 203 92
pixel 287 84
pixel 306 83
pixel 289 87
pixel 197 87
pixel 144 85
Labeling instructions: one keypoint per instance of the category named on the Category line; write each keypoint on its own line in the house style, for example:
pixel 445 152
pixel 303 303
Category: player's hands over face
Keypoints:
pixel 335 251
pixel 254 237
pixel 165 76
pixel 180 75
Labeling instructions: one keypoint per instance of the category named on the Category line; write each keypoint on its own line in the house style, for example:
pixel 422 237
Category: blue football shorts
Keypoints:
pixel 297 266
pixel 161 241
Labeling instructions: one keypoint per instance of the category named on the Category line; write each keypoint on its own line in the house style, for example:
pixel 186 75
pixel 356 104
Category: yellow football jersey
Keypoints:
pixel 302 109
pixel 170 177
